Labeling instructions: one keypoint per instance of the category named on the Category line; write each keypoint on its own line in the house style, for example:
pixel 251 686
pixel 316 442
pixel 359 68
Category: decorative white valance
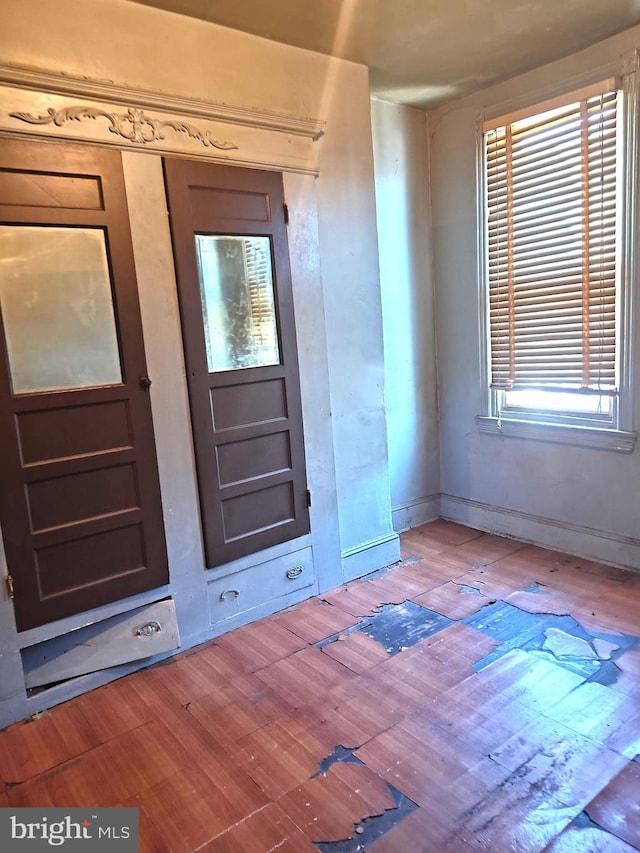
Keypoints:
pixel 36 103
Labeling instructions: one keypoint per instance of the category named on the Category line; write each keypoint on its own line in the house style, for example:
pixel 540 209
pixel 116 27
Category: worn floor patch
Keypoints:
pixel 366 831
pixel 536 588
pixel 396 626
pixel 469 590
pixel 615 808
pixel 400 626
pixel 560 639
pixel 372 828
pixel 604 648
pixel 564 646
pixel 583 836
pixel 340 753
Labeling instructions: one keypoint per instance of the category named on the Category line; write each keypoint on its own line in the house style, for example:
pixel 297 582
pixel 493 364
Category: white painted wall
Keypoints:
pixel 333 247
pixel 581 500
pixel 401 156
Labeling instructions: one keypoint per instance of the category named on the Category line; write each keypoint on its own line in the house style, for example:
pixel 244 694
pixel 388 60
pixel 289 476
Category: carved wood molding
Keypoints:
pixel 132 125
pixel 109 92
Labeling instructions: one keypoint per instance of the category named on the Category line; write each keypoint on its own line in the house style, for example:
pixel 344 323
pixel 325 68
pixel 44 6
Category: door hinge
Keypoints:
pixel 285 211
pixel 9 583
pixel 308 498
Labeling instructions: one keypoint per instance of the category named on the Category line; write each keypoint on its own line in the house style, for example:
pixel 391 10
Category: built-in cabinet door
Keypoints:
pixel 234 282
pixel 79 500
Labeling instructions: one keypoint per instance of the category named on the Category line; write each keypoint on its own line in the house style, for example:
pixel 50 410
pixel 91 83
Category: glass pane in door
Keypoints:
pixel 236 288
pixel 57 308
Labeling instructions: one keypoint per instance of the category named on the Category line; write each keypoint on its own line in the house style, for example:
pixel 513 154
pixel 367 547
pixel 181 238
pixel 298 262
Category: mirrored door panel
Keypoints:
pixel 238 301
pixel 57 308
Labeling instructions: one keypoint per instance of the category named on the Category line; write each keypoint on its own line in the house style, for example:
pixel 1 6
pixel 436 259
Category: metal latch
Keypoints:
pixel 148 629
pixel 294 572
pixel 234 592
pixel 9 583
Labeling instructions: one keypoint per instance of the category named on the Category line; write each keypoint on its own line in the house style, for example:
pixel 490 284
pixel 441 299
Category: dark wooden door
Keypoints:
pixel 79 500
pixel 234 283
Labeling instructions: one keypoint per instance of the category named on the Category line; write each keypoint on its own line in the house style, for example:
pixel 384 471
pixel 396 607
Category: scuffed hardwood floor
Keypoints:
pixel 493 703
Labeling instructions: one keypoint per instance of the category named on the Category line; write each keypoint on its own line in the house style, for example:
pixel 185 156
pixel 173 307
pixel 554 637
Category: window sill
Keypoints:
pixel 578 436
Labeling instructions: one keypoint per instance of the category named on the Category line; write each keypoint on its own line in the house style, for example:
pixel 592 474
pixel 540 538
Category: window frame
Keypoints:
pixel 613 432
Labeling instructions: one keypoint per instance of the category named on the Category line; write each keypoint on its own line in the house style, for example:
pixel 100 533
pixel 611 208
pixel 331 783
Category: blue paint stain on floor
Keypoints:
pixel 400 626
pixel 396 626
pixel 559 639
pixel 534 632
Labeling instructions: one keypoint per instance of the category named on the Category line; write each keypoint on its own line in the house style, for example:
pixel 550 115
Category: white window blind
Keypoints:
pixel 551 241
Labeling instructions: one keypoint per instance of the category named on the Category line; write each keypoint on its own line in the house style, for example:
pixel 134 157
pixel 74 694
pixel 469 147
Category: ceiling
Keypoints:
pixel 422 52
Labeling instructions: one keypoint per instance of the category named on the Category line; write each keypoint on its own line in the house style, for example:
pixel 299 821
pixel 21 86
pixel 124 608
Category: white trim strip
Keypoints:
pixel 367 546
pixel 578 436
pixel 611 84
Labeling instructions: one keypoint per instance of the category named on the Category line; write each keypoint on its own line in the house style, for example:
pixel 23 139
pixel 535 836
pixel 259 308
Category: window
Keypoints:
pixel 555 268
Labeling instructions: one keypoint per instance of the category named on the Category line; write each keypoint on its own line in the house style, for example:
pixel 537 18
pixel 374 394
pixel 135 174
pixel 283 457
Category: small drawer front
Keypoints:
pixel 240 591
pixel 138 634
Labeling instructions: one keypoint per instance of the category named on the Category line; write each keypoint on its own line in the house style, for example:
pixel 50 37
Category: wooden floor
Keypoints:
pixel 483 695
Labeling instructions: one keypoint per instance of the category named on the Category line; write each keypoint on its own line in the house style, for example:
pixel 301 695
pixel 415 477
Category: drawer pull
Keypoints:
pixel 148 629
pixel 294 572
pixel 223 595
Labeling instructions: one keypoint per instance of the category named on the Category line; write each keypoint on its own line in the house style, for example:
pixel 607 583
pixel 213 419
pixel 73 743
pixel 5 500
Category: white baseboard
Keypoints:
pixel 416 512
pixel 370 556
pixel 600 545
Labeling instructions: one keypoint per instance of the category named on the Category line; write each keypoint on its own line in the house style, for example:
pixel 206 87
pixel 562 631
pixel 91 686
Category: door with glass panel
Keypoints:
pixel 80 504
pixel 234 283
